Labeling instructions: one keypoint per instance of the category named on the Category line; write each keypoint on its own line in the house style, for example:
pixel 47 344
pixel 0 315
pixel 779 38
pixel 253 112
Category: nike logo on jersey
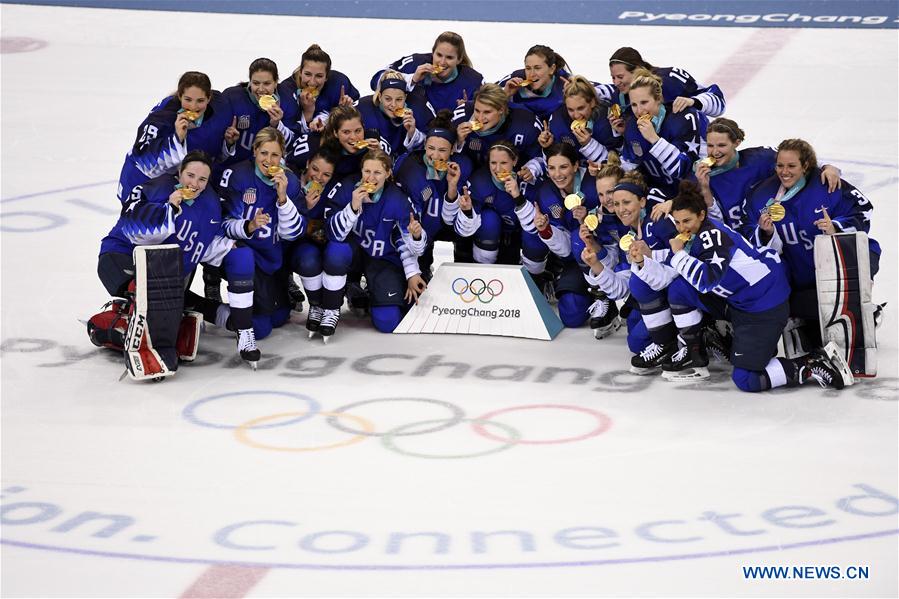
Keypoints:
pixel 387 220
pixel 392 294
pixel 214 222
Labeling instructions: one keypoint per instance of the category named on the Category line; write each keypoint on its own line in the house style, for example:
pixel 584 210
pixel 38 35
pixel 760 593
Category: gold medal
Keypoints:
pixel 776 211
pixel 578 124
pixel 369 187
pixel 188 193
pixel 685 237
pixel 708 161
pixel 315 186
pixel 615 111
pixel 436 69
pixel 526 82
pixel 592 221
pixel 572 201
pixel 441 165
pixel 312 91
pixel 476 125
pixel 504 175
pixel 191 115
pixel 360 144
pixel 626 242
pixel 267 101
pixel 401 112
pixel 274 170
pixel 644 118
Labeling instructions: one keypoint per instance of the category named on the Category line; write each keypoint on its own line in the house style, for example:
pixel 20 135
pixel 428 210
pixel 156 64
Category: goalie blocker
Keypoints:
pixel 843 277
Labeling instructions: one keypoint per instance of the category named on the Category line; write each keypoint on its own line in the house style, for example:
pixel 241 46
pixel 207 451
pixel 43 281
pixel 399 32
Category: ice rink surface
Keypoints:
pixel 366 467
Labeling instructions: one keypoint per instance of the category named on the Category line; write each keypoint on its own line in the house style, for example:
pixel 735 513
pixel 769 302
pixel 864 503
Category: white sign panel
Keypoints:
pixel 482 299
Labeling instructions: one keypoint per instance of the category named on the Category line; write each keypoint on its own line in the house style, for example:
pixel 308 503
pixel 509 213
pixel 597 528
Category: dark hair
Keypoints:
pixel 806 153
pixel 314 53
pixel 689 197
pixel 194 79
pixel 327 153
pixel 195 156
pixel 264 64
pixel 630 58
pixel 562 149
pixel 455 40
pixel 728 128
pixel 549 55
pixel 443 119
pixel 339 115
pixel 506 146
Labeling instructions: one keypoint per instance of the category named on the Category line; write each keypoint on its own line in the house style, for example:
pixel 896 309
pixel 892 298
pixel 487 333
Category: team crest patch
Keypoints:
pixel 569 140
pixel 243 121
pixel 637 148
pixel 489 200
pixel 426 193
pixel 249 196
pixel 556 210
pixel 475 145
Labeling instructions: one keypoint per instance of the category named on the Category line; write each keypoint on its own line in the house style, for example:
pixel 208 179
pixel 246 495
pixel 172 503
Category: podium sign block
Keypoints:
pixel 482 299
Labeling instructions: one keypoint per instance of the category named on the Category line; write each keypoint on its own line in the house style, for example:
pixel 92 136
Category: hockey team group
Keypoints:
pixel 629 202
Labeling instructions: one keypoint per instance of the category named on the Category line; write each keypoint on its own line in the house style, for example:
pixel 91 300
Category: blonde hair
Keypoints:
pixel 385 76
pixel 266 135
pixel 379 155
pixel 635 178
pixel 492 95
pixel 579 85
pixel 644 78
pixel 611 168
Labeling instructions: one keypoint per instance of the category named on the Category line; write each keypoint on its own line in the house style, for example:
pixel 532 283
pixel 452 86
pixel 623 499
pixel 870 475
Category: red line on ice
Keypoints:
pixel 752 56
pixel 225 581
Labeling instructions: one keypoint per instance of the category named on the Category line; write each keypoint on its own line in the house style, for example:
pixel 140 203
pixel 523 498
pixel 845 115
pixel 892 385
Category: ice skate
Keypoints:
pixel 689 363
pixel 827 367
pixel 328 325
pixel 246 346
pixel 604 319
pixel 650 360
pixel 314 320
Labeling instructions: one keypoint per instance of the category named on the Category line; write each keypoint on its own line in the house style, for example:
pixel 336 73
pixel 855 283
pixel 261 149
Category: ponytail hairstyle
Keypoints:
pixel 648 79
pixel 194 79
pixel 611 168
pixel 579 85
pixel 727 127
pixel 339 115
pixel 634 178
pixel 549 56
pixel 689 197
pixel 563 149
pixel 313 53
pixel 806 152
pixel 630 58
pixel 494 96
pixel 455 40
pixel 264 64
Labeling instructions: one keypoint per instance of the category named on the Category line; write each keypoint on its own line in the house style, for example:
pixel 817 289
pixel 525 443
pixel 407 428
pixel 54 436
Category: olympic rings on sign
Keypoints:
pixel 241 432
pixel 190 411
pixel 359 428
pixel 477 290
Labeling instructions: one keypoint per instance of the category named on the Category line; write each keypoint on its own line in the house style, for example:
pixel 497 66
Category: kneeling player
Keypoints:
pixel 148 283
pixel 722 274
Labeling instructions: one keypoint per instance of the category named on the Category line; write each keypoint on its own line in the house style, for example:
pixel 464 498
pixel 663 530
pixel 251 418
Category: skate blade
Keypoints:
pixel 311 334
pixel 253 365
pixel 603 332
pixel 84 322
pixel 644 371
pixel 836 358
pixel 325 338
pixel 700 373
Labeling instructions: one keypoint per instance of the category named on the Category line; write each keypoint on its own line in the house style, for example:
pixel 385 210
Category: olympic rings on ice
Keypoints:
pixel 477 290
pixel 359 428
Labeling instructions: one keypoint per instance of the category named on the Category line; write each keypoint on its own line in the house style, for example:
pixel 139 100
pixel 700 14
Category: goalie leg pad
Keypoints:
pixel 150 344
pixel 189 336
pixel 107 328
pixel 843 277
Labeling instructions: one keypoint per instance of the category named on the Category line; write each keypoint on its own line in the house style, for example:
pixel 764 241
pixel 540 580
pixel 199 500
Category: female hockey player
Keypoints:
pixel 787 211
pixel 664 144
pixel 261 190
pixel 344 135
pixel 563 201
pixel 724 275
pixel 181 209
pixel 488 119
pixel 537 87
pixel 316 88
pixel 679 88
pixel 395 115
pixel 444 77
pixel 256 104
pixel 195 117
pixel 432 178
pixel 307 252
pixel 581 122
pixel 370 222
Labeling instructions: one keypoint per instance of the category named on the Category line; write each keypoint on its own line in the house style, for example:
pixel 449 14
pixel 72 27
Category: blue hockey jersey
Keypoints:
pixel 602 139
pixel 520 127
pixel 148 219
pixel 676 83
pixel 542 106
pixel 251 119
pixel 429 195
pixel 442 94
pixel 391 132
pixel 730 188
pixel 795 235
pixel 157 149
pixel 246 191
pixel 328 97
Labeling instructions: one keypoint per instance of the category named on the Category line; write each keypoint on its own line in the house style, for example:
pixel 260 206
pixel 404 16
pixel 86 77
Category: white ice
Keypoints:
pixel 624 512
